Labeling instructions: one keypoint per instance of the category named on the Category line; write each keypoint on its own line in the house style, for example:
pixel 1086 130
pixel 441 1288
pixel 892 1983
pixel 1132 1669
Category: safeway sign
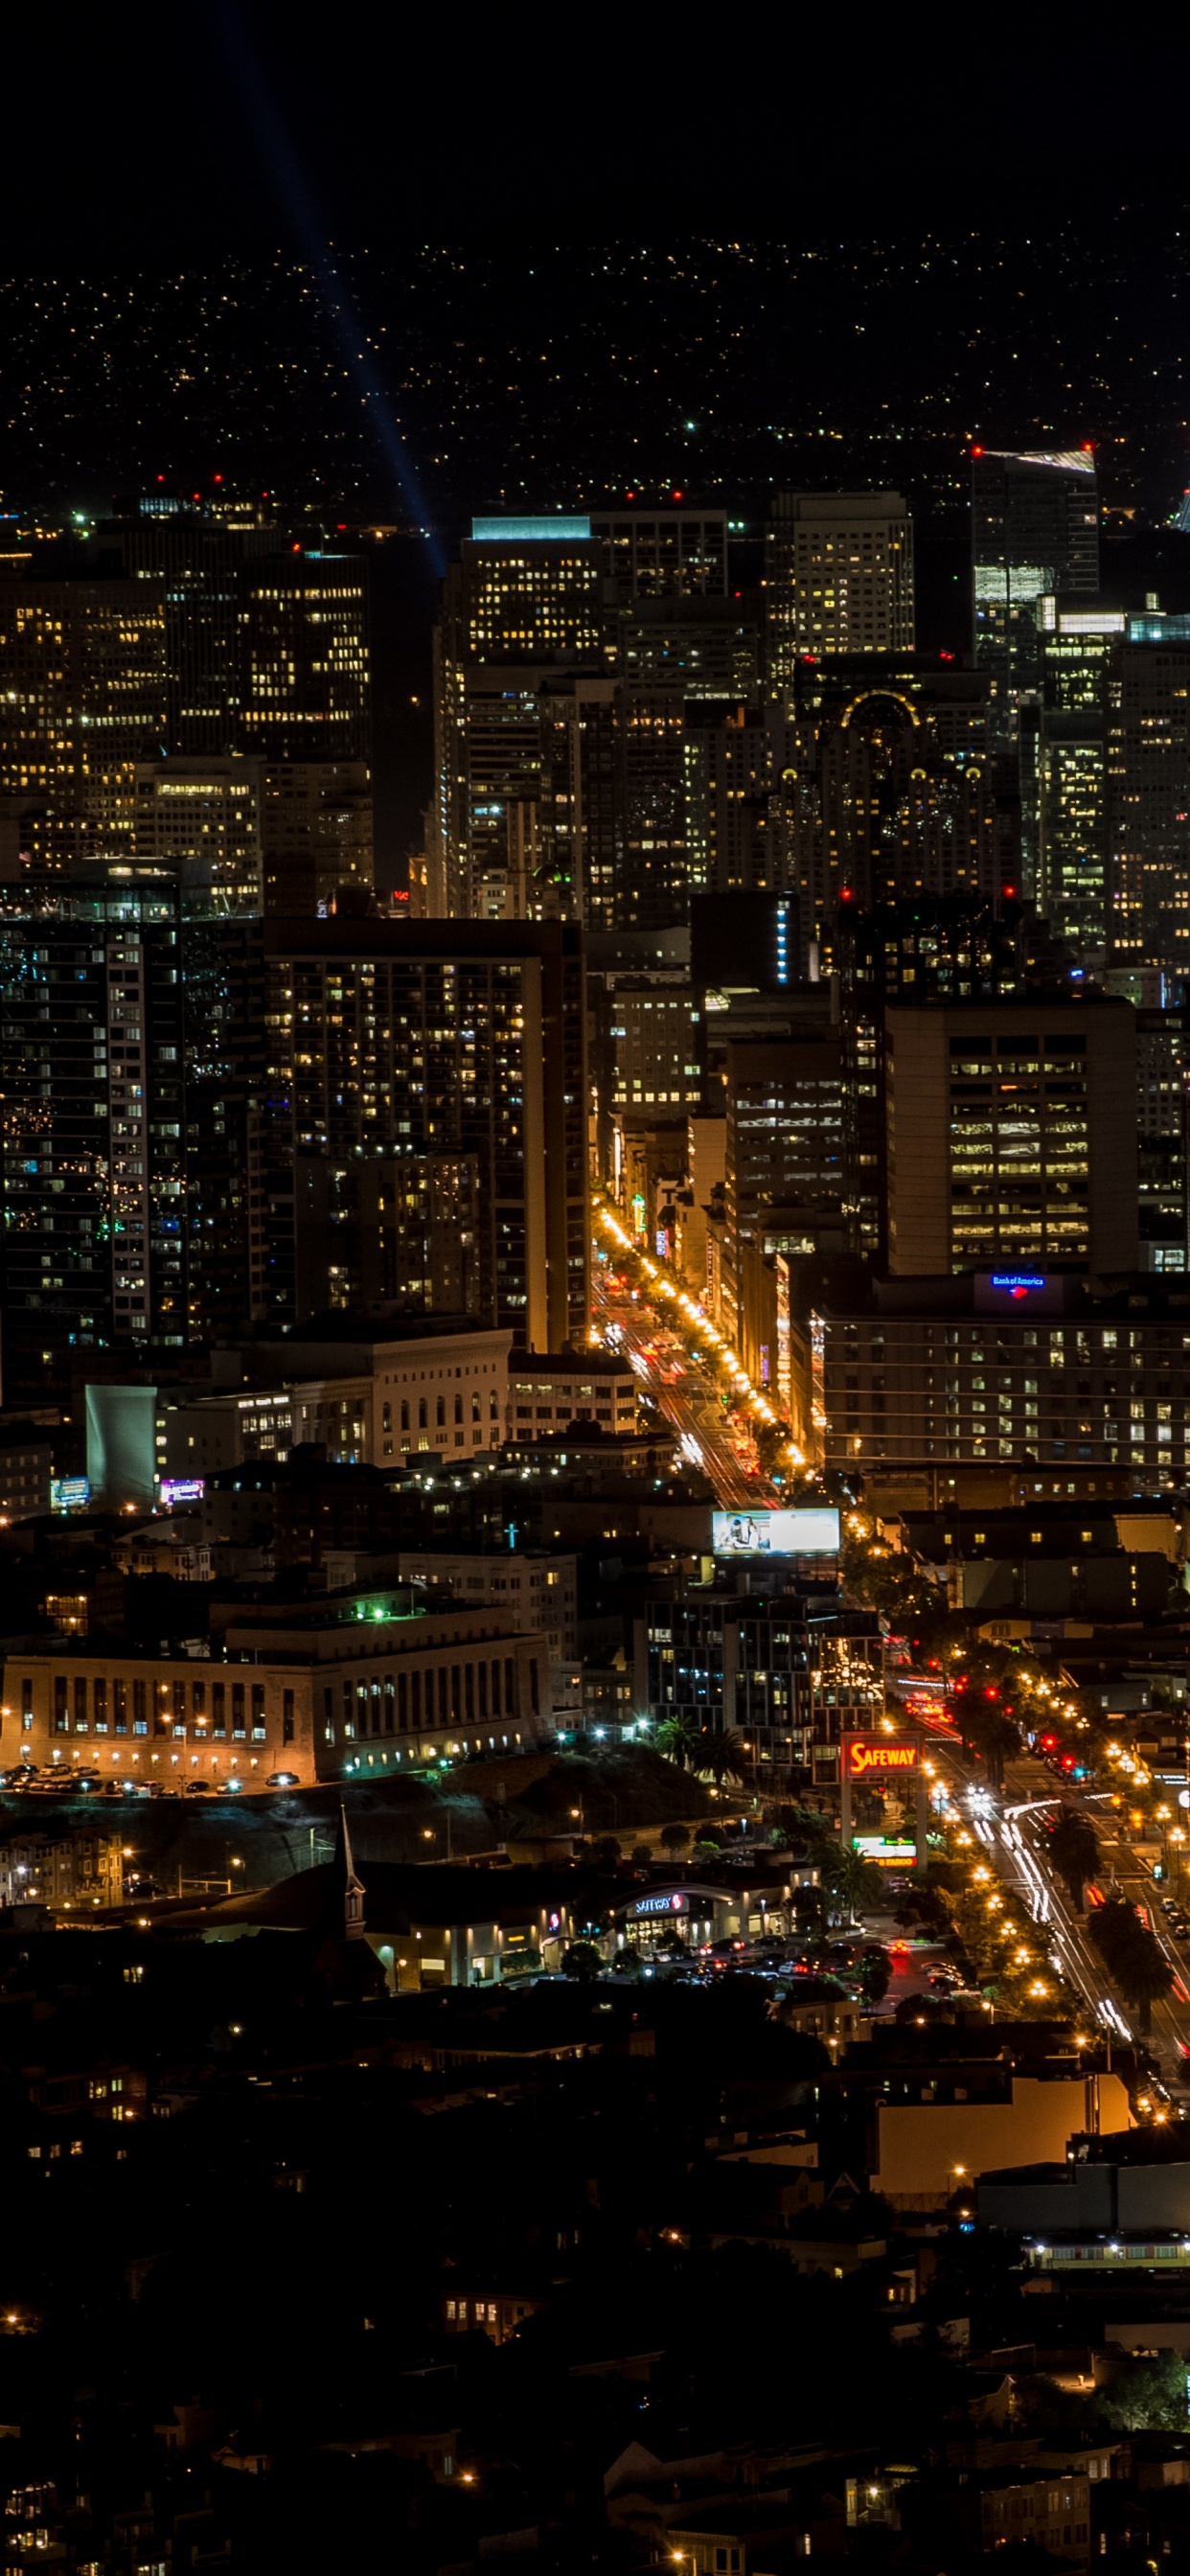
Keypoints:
pixel 878 1757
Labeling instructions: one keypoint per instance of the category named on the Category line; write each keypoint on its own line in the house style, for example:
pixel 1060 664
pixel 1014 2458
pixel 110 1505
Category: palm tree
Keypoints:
pixel 722 1755
pixel 679 1739
pixel 1074 1850
pixel 850 1878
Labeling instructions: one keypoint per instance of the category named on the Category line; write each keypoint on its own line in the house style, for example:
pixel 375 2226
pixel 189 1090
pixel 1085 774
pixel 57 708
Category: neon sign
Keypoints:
pixel 866 1754
pixel 1019 1283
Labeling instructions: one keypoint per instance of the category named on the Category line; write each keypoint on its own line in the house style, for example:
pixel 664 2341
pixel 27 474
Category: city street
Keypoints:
pixel 685 1393
pixel 1012 1827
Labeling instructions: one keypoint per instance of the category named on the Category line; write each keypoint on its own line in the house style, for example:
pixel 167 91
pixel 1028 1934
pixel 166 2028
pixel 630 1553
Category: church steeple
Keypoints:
pixel 346 1884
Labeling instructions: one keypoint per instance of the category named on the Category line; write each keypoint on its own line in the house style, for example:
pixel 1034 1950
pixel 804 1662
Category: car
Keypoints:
pixel 283 1780
pixel 197 1789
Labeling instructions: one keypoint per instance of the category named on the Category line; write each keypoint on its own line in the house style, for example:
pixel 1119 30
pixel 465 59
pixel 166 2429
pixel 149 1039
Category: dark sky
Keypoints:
pixel 138 133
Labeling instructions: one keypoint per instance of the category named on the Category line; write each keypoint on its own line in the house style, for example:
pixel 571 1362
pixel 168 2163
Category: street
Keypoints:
pixel 686 1393
pixel 1012 1827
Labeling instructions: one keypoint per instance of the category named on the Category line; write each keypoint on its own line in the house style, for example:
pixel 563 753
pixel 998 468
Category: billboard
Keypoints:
pixel 775 1533
pixel 886 1850
pixel 182 1489
pixel 879 1758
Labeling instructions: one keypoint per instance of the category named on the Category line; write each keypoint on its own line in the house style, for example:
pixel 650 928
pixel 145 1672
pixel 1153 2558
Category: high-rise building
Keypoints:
pixel 1077 641
pixel 316 832
pixel 396 1230
pixel 890 793
pixel 1011 1136
pixel 522 608
pixel 462 1039
pixel 786 1161
pixel 205 817
pixel 304 690
pixel 93 1174
pixel 672 553
pixel 838 578
pixel 1163 1141
pixel 1055 1381
pixel 1148 816
pixel 82 699
pixel 1034 530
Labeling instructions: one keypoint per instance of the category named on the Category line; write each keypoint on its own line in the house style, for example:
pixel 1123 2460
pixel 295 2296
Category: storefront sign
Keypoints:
pixel 876 1757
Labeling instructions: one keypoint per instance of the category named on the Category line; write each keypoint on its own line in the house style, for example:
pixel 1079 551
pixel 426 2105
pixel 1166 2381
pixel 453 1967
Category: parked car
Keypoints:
pixel 282 1780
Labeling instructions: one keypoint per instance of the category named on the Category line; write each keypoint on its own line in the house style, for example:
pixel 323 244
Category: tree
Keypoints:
pixel 1074 1851
pixel 851 1880
pixel 875 1973
pixel 708 1838
pixel 581 1960
pixel 606 1853
pixel 628 1961
pixel 674 1838
pixel 1131 1956
pixel 679 1740
pixel 722 1756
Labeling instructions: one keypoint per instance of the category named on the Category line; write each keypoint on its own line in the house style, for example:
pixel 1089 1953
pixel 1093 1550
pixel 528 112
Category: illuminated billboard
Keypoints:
pixel 878 1757
pixel 885 1850
pixel 776 1533
pixel 182 1489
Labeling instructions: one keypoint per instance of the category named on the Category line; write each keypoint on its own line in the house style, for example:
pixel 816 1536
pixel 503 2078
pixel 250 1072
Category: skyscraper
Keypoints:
pixel 522 608
pixel 1077 644
pixel 439 1039
pixel 1012 1136
pixel 889 791
pixel 838 578
pixel 92 1147
pixel 1148 816
pixel 206 817
pixel 1034 529
pixel 83 695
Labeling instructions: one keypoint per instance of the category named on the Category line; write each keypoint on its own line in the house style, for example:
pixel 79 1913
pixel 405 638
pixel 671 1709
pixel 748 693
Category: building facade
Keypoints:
pixel 1011 1136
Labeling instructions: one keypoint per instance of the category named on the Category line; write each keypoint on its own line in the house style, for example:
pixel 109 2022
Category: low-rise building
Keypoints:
pixel 356 1683
pixel 541 1590
pixel 549 1391
pixel 61 1870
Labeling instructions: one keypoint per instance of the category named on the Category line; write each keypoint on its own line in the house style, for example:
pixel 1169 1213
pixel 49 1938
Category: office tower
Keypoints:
pixel 93 1137
pixel 920 949
pixel 316 832
pixel 889 792
pixel 743 942
pixel 786 1164
pixel 439 1039
pixel 654 1049
pixel 304 665
pixel 672 553
pixel 82 698
pixel 737 760
pixel 1054 1383
pixel 1163 1143
pixel 524 604
pixel 1011 1136
pixel 1034 529
pixel 701 645
pixel 228 1241
pixel 1077 640
pixel 1148 818
pixel 838 578
pixel 196 561
pixel 205 818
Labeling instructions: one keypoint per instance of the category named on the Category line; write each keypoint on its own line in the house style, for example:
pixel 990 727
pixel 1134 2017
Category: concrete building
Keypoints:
pixel 553 1389
pixel 1063 1382
pixel 353 1684
pixel 1011 1137
pixel 541 1591
pixel 367 1399
pixel 68 1872
pixel 838 577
